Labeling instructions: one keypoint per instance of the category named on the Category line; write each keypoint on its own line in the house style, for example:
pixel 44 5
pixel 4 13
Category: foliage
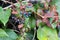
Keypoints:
pixel 4 15
pixel 46 33
pixel 21 21
pixel 7 35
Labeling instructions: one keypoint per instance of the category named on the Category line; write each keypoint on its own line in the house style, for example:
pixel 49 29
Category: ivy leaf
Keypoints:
pixel 20 0
pixel 17 5
pixel 29 37
pixel 49 15
pixel 47 22
pixel 5 38
pixel 58 10
pixel 51 20
pixel 1 10
pixel 24 2
pixel 8 35
pixel 58 7
pixel 54 25
pixel 26 23
pixel 41 35
pixel 53 2
pixel 56 3
pixel 4 15
pixel 12 34
pixel 41 24
pixel 36 7
pixel 3 33
pixel 47 33
pixel 26 36
pixel 32 22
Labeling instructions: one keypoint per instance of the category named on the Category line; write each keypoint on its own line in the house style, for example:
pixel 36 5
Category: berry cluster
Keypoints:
pixel 16 20
pixel 23 10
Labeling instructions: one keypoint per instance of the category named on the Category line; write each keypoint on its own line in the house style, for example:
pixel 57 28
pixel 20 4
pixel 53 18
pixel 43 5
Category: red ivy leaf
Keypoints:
pixel 46 21
pixel 48 15
pixel 22 7
pixel 56 18
pixel 14 12
pixel 20 26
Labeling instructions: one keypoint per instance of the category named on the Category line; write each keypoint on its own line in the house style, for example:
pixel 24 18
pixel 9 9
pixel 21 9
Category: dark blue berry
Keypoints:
pixel 29 13
pixel 21 12
pixel 33 2
pixel 13 18
pixel 29 6
pixel 25 15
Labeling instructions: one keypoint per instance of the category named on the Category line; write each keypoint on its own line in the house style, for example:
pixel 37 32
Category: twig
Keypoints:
pixel 9 6
pixel 16 31
pixel 12 24
pixel 34 33
pixel 8 2
pixel 46 16
pixel 14 27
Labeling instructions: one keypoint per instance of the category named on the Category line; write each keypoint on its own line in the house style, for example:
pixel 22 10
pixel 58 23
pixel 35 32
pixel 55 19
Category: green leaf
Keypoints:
pixel 26 22
pixel 20 0
pixel 11 34
pixel 57 3
pixel 4 15
pixel 26 36
pixel 17 5
pixel 24 2
pixel 54 25
pixel 32 23
pixel 1 10
pixel 36 7
pixel 47 33
pixel 5 38
pixel 29 37
pixel 53 2
pixel 51 20
pixel 41 5
pixel 41 24
pixel 3 33
pixel 41 35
